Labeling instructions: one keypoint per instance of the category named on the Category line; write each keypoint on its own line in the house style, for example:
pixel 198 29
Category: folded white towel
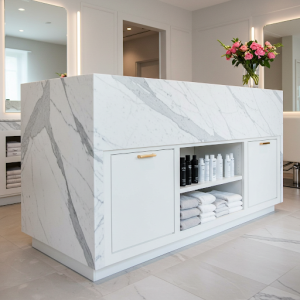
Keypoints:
pixel 221 206
pixel 207 215
pixel 13 154
pixel 235 209
pixel 222 213
pixel 218 210
pixel 206 220
pixel 189 213
pixel 187 202
pixel 234 204
pixel 13 180
pixel 18 149
pixel 13 172
pixel 207 208
pixel 13 176
pixel 203 198
pixel 13 144
pixel 188 223
pixel 230 197
pixel 219 202
pixel 13 185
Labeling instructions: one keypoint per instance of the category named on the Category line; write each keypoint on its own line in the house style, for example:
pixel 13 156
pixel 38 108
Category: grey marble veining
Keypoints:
pixel 10 125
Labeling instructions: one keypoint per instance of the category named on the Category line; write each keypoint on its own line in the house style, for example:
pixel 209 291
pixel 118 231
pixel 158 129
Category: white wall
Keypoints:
pixel 287 73
pixel 107 57
pixel 44 60
pixel 140 49
pixel 230 20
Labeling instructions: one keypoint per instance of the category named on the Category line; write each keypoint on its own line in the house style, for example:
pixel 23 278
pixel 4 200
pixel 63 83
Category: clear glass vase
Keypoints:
pixel 251 76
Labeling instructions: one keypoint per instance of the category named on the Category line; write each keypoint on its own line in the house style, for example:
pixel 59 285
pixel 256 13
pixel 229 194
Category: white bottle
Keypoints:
pixel 227 165
pixel 232 165
pixel 206 175
pixel 219 167
pixel 201 170
pixel 212 168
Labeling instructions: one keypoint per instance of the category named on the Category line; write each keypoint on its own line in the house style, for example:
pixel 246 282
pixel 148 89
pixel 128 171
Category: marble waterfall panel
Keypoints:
pixel 58 166
pixel 6 125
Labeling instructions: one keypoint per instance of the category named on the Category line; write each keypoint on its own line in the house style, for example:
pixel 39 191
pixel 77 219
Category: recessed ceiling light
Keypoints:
pixel 128 28
pixel 21 30
pixel 21 9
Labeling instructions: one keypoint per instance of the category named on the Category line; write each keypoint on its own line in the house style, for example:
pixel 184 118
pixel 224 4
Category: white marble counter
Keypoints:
pixel 67 124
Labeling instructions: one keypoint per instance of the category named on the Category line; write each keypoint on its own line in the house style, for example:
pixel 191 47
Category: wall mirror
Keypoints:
pixel 35 46
pixel 285 71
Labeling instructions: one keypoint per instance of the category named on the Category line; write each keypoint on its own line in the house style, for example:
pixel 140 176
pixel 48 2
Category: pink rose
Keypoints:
pixel 236 45
pixel 248 56
pixel 255 46
pixel 244 48
pixel 268 43
pixel 260 52
pixel 228 52
pixel 271 55
pixel 233 50
pixel 228 57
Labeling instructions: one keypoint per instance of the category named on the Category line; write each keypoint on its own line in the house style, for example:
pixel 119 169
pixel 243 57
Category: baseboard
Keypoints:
pixel 10 200
pixel 95 275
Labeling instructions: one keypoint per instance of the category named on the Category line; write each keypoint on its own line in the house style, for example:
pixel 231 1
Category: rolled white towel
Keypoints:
pixel 188 223
pixel 13 180
pixel 187 202
pixel 235 209
pixel 9 154
pixel 16 149
pixel 206 220
pixel 189 213
pixel 222 213
pixel 234 204
pixel 230 197
pixel 13 172
pixel 218 210
pixel 221 206
pixel 13 144
pixel 207 208
pixel 13 176
pixel 13 185
pixel 207 215
pixel 219 203
pixel 203 198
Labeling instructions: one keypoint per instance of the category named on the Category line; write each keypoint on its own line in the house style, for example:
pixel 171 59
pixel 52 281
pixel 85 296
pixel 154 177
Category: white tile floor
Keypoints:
pixel 259 260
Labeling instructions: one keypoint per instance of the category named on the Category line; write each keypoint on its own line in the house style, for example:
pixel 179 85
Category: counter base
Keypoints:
pixel 95 275
pixel 10 200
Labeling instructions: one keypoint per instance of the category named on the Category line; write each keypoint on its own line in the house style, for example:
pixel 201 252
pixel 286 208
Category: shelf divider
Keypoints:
pixel 207 184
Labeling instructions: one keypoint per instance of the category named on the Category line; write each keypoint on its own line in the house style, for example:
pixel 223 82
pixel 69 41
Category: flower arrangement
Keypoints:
pixel 62 75
pixel 250 55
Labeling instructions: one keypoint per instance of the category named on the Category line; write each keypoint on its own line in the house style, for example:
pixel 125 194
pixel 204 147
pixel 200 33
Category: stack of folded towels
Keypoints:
pixel 189 212
pixel 226 203
pixel 13 149
pixel 205 205
pixel 13 177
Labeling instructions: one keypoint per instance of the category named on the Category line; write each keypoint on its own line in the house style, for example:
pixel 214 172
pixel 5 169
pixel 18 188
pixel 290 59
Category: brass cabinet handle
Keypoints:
pixel 266 143
pixel 146 155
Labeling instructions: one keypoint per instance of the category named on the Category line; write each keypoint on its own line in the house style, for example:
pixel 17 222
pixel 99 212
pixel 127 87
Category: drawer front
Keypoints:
pixel 142 197
pixel 263 169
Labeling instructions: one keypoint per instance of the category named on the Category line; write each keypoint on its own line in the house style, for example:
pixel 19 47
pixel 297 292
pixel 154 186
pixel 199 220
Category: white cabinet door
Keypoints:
pixel 142 198
pixel 263 171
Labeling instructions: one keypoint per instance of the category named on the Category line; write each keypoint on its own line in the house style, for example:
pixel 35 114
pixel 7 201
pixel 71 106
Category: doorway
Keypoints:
pixel 141 51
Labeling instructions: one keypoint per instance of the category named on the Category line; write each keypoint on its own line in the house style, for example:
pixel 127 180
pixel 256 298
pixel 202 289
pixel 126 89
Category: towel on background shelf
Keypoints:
pixel 13 176
pixel 13 185
pixel 13 144
pixel 235 209
pixel 188 223
pixel 221 206
pixel 230 197
pixel 222 213
pixel 206 220
pixel 203 198
pixel 13 172
pixel 219 203
pixel 18 149
pixel 13 180
pixel 13 154
pixel 187 202
pixel 218 210
pixel 207 215
pixel 234 204
pixel 189 213
pixel 207 208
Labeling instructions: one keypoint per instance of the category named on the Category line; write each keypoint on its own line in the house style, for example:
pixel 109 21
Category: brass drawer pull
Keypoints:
pixel 266 143
pixel 146 155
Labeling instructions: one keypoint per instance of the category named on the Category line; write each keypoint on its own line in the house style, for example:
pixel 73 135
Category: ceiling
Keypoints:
pixel 194 4
pixel 33 20
pixel 282 29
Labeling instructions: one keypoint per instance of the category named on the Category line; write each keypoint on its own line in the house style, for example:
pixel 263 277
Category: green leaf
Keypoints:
pixel 267 64
pixel 233 61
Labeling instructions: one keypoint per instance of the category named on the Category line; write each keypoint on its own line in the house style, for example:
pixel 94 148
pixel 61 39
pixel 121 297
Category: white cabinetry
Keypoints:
pixel 143 200
pixel 263 171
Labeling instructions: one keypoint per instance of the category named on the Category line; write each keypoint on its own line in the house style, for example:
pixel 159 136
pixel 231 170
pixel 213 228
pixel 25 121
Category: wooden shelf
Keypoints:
pixel 207 184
